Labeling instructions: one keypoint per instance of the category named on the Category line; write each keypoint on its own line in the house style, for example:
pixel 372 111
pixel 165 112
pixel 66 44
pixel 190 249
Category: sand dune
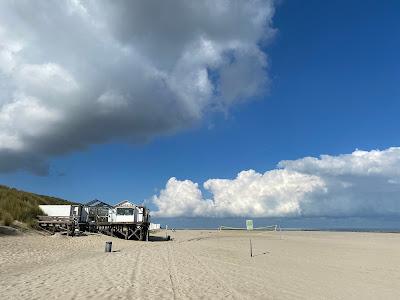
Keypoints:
pixel 203 264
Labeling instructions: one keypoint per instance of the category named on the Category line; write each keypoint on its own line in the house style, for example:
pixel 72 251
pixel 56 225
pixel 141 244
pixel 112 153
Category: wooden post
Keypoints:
pixel 251 249
pixel 141 234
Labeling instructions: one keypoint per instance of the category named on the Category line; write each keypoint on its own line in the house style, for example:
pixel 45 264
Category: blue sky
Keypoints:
pixel 334 71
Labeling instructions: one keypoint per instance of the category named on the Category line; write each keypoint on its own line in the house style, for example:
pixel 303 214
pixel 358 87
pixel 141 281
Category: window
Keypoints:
pixel 125 211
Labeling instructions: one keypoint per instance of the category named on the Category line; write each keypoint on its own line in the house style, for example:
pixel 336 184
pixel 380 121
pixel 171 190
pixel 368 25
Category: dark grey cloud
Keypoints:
pixel 76 73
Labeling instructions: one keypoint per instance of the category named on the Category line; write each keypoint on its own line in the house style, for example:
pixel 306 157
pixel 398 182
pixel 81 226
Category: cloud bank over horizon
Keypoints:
pixel 360 184
pixel 74 74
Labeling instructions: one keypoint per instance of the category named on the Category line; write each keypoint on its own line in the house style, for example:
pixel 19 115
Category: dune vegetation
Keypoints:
pixel 23 206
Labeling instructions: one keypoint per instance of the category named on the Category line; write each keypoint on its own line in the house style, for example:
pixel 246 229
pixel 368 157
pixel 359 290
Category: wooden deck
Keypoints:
pixel 59 224
pixel 126 230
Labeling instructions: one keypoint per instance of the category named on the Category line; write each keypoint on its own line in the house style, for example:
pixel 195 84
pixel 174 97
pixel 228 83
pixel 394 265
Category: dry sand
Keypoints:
pixel 203 264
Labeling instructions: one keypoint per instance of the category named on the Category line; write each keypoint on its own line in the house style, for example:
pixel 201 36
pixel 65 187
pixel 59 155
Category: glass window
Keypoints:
pixel 125 211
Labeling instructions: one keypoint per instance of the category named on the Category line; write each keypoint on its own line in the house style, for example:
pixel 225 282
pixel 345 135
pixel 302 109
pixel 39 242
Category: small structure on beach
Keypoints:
pixel 63 210
pixel 125 220
pixel 154 226
pixel 97 211
pixel 127 211
pixel 63 217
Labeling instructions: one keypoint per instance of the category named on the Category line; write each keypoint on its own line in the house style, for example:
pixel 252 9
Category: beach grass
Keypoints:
pixel 23 206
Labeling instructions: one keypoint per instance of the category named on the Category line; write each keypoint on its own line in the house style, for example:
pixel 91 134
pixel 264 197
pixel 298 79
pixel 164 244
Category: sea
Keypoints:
pixel 358 224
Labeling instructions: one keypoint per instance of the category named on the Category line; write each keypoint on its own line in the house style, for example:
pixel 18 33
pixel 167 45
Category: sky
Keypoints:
pixel 264 109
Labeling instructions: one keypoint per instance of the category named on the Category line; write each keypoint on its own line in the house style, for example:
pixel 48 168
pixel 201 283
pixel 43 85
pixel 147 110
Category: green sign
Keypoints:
pixel 249 224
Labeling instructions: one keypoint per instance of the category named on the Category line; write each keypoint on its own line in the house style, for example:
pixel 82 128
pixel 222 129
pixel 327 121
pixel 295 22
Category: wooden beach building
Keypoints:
pixel 124 220
pixel 66 218
pixel 127 220
pixel 97 211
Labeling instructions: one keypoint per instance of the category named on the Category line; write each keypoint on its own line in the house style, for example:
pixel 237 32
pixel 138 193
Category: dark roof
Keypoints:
pixel 125 203
pixel 97 203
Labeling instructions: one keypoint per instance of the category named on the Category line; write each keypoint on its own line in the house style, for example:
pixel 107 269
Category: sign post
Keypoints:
pixel 249 226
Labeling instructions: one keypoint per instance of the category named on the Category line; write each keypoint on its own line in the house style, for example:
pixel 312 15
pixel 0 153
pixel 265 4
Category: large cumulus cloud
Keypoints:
pixel 77 73
pixel 363 183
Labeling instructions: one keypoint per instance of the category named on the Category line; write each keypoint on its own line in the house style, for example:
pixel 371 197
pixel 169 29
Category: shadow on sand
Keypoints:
pixel 7 230
pixel 263 253
pixel 159 238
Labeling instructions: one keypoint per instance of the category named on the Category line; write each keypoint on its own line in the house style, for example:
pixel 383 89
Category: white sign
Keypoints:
pixel 249 224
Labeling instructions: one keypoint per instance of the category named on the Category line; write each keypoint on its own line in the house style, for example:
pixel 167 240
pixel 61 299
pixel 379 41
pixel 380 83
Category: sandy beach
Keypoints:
pixel 203 264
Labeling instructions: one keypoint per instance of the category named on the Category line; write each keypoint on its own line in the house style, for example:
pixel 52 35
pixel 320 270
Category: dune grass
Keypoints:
pixel 23 206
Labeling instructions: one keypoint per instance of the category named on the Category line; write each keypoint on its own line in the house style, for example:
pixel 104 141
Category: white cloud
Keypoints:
pixel 274 193
pixel 358 163
pixel 180 198
pixel 16 115
pixel 33 78
pixel 103 70
pixel 363 183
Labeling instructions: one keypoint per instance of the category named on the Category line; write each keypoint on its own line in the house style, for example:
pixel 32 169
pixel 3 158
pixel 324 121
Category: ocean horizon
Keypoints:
pixel 359 224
